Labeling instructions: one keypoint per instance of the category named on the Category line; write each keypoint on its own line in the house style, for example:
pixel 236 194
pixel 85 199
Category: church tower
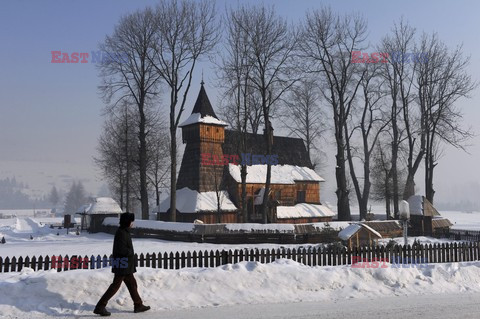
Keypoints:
pixel 204 135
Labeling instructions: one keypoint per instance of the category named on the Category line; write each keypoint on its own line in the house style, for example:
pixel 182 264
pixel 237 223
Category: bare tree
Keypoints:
pixel 381 171
pixel 302 114
pixel 271 45
pixel 118 154
pixel 328 41
pixel 399 74
pixel 186 31
pixel 240 108
pixel 158 159
pixel 368 121
pixel 132 78
pixel 442 80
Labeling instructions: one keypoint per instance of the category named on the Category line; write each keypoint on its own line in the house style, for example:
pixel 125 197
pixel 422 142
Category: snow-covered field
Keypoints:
pixel 46 241
pixel 75 293
pixel 17 232
pixel 463 220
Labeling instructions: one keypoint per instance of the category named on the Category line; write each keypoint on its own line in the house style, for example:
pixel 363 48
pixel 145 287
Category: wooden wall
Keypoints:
pixel 206 218
pixel 305 220
pixel 312 191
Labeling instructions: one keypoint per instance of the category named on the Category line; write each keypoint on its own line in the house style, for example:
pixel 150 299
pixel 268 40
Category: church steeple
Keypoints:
pixel 203 105
pixel 203 133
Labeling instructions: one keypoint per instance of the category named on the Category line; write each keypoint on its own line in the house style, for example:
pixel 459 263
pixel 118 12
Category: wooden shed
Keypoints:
pixel 356 235
pixel 422 214
pixel 95 212
pixel 386 228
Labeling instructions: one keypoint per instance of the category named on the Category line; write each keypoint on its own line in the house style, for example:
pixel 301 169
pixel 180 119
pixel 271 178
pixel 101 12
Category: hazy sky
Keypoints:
pixel 50 113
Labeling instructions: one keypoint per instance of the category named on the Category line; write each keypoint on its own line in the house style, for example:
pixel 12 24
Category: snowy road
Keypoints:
pixel 446 306
pixel 463 306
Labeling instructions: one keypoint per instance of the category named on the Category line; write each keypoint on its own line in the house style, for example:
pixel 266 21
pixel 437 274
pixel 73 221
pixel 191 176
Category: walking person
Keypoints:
pixel 122 251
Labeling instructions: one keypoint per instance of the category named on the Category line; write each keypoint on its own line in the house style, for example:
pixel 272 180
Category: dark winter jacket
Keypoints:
pixel 123 262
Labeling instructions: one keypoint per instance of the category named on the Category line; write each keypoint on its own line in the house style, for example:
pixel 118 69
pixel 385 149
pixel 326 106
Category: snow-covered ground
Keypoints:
pixel 74 293
pixel 17 232
pixel 463 220
pixel 179 293
pixel 46 241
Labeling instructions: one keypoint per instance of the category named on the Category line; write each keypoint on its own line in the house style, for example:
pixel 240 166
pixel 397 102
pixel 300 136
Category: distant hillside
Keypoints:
pixel 12 196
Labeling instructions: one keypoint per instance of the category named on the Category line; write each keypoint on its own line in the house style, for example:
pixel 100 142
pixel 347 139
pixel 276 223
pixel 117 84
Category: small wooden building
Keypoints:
pixel 386 228
pixel 425 219
pixel 356 235
pixel 93 214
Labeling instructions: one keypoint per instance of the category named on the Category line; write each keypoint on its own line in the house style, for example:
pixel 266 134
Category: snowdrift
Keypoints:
pixel 76 292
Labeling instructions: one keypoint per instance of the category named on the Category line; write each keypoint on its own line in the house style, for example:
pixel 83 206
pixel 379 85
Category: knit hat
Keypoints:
pixel 126 219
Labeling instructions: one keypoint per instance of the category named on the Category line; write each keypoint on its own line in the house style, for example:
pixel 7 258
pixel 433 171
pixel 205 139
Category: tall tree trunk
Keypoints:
pixel 143 163
pixel 343 204
pixel 173 171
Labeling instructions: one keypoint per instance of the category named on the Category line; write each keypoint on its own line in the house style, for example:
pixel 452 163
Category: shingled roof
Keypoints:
pixel 203 105
pixel 290 150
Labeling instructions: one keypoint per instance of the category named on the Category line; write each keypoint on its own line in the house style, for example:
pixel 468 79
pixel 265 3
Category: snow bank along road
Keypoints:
pixel 247 290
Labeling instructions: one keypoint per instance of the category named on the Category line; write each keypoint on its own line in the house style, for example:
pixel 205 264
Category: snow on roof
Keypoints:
pixel 334 225
pixel 416 204
pixel 350 230
pixel 197 118
pixel 303 210
pixel 281 174
pixel 191 201
pixel 101 205
pixel 248 227
pixel 153 224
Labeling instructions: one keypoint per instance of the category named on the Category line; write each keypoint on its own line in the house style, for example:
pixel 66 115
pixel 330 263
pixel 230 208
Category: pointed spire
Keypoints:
pixel 202 105
pixel 202 83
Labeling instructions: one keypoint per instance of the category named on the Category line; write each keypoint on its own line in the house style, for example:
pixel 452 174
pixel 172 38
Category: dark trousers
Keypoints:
pixel 131 283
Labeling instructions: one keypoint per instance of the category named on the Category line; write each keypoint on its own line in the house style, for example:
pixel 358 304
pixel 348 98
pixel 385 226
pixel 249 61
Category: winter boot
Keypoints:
pixel 101 311
pixel 141 308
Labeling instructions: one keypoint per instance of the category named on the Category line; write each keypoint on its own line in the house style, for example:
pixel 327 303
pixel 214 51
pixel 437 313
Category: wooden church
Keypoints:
pixel 209 184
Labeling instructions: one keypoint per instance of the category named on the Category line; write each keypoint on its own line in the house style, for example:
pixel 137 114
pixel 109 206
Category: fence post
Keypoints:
pixel 40 263
pixel 218 258
pixel 177 260
pixel 194 259
pixel 165 261
pixel 14 264
pixel 33 263
pixel 182 260
pixel 211 262
pixel 273 256
pixel 224 257
pixel 207 262
pixel 147 261
pixel 189 259
pixel 171 264
pixel 200 259
pixel 6 265
pixel 46 263
pixel 235 256
pixel 20 263
pixel 154 260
